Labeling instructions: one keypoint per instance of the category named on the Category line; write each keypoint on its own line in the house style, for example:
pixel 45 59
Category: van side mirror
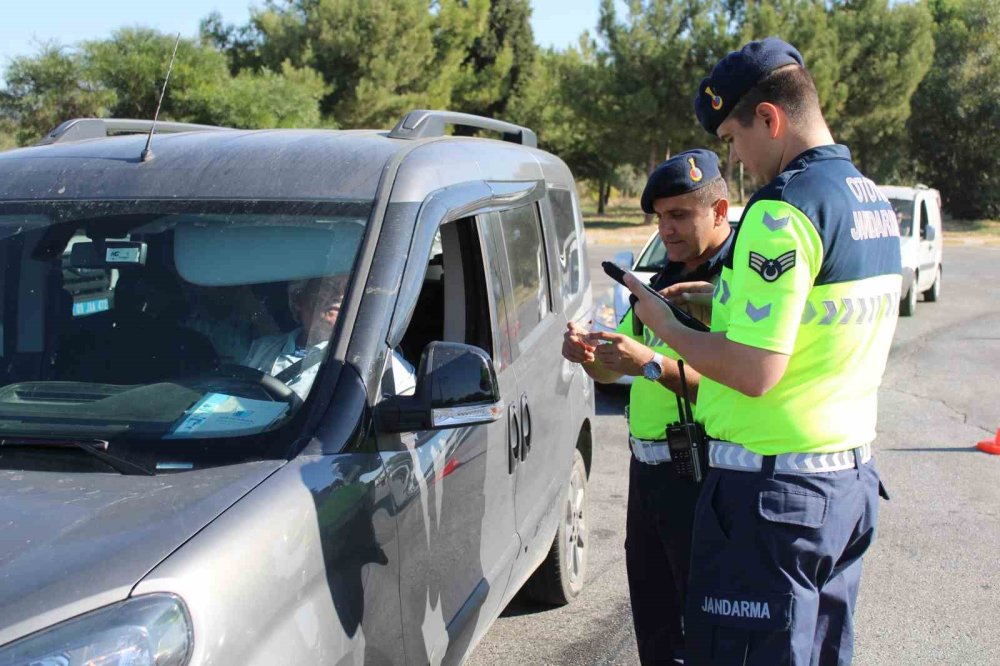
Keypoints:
pixel 930 233
pixel 456 386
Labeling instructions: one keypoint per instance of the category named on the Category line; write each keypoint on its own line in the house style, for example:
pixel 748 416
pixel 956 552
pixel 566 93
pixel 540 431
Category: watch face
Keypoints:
pixel 651 371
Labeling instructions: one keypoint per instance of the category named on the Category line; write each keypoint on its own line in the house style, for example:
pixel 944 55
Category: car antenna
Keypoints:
pixel 147 152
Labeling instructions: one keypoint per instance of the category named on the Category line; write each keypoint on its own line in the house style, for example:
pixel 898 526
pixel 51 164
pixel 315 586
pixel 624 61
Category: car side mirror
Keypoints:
pixel 456 386
pixel 624 259
pixel 930 233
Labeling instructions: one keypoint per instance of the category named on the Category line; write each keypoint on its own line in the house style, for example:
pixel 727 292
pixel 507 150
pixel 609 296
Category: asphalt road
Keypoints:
pixel 931 586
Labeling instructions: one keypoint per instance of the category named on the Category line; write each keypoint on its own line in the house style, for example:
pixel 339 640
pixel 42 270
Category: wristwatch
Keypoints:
pixel 654 368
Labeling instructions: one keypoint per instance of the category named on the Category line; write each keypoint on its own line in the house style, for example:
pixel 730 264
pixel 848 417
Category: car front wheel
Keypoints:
pixel 908 304
pixel 934 293
pixel 560 577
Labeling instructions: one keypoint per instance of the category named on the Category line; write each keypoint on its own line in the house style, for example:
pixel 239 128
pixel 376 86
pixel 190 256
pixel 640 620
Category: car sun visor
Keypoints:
pixel 107 254
pixel 227 255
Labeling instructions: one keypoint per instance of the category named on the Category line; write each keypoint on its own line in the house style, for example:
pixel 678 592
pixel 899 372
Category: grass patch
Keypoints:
pixel 976 228
pixel 617 216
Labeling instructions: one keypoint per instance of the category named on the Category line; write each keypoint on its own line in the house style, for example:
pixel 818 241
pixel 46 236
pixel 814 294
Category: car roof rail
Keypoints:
pixel 423 124
pixel 79 129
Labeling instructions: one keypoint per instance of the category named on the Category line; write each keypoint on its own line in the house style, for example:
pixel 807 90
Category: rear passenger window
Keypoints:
pixel 567 243
pixel 522 237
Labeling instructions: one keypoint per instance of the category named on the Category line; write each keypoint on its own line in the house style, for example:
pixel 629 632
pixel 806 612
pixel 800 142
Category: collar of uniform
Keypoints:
pixel 833 151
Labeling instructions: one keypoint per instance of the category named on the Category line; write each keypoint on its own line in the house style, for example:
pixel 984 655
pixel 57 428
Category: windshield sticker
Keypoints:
pixel 218 414
pixel 123 255
pixel 84 308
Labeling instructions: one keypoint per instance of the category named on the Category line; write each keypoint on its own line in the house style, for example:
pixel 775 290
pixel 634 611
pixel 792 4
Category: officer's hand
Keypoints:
pixel 651 311
pixel 620 353
pixel 575 348
pixel 696 293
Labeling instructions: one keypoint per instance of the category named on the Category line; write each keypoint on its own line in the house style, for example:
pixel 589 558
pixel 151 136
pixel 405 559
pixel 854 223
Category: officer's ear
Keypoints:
pixel 721 210
pixel 773 118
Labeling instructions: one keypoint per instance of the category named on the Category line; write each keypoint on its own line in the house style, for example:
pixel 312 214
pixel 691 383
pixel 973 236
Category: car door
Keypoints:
pixel 927 253
pixel 454 488
pixel 535 336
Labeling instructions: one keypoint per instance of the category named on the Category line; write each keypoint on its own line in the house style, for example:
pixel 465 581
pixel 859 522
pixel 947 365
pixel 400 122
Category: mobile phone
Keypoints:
pixel 617 274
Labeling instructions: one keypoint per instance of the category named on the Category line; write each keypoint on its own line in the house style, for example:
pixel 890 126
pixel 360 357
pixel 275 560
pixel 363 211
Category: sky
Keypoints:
pixel 24 24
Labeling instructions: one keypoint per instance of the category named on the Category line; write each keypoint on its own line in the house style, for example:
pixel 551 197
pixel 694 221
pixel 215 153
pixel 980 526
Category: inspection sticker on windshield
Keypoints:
pixel 218 414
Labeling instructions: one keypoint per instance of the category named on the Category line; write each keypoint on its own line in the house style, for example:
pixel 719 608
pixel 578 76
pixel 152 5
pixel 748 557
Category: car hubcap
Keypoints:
pixel 576 527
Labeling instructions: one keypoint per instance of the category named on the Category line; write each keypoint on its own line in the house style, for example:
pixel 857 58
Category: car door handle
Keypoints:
pixel 525 427
pixel 513 438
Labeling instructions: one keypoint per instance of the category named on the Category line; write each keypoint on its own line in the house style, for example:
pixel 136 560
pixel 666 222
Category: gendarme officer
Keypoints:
pixel 689 197
pixel 802 322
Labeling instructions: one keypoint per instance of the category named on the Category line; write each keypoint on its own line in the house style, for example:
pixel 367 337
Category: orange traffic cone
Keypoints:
pixel 990 447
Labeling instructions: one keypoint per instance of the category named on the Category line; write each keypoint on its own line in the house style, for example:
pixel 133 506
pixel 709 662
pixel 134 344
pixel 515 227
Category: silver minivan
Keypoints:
pixel 918 210
pixel 286 396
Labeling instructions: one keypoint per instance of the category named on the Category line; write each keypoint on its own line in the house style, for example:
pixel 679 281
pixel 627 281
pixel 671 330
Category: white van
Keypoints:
pixel 919 212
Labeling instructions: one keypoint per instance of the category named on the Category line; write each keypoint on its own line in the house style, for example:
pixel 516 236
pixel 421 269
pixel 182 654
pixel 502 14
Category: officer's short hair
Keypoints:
pixel 791 87
pixel 715 190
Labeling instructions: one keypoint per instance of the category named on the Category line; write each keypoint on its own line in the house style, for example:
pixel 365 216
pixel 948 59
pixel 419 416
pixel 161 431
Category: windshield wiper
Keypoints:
pixel 96 447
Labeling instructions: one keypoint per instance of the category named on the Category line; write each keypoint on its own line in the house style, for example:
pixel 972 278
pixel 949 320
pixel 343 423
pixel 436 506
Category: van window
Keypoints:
pixel 567 243
pixel 904 215
pixel 522 238
pixel 924 219
pixel 454 301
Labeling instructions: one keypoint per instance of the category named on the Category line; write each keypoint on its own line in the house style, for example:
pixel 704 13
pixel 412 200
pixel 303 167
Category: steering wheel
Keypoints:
pixel 274 388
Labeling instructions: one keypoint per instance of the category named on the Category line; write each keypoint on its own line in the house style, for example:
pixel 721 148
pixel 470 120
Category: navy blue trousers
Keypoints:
pixel 777 565
pixel 658 557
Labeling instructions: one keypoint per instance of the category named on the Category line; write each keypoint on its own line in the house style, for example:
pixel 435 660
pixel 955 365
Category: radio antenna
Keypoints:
pixel 147 152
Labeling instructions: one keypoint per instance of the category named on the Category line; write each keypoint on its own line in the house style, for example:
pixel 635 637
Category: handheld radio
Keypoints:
pixel 686 439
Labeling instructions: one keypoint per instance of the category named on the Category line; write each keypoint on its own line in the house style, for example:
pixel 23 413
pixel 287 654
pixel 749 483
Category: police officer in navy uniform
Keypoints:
pixel 802 321
pixel 689 197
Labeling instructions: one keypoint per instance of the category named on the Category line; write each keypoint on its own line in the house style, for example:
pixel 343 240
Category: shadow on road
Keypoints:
pixel 521 604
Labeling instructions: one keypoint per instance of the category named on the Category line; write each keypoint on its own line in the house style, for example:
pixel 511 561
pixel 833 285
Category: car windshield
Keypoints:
pixel 655 257
pixel 168 321
pixel 904 213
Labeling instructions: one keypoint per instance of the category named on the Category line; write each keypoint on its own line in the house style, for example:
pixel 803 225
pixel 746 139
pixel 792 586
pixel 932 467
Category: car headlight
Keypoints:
pixel 604 315
pixel 152 630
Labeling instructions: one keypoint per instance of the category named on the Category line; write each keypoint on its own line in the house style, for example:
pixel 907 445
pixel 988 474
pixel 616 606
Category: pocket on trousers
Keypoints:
pixel 793 507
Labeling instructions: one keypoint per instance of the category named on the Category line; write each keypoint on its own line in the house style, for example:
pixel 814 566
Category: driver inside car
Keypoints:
pixel 294 357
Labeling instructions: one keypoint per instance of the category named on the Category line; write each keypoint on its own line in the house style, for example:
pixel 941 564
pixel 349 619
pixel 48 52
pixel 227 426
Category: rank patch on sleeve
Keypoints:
pixel 772 269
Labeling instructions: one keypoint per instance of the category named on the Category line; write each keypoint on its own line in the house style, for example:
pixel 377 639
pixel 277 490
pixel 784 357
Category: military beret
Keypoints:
pixel 684 172
pixel 737 73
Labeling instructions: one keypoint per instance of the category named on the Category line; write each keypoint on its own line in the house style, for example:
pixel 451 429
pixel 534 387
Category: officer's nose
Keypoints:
pixel 733 157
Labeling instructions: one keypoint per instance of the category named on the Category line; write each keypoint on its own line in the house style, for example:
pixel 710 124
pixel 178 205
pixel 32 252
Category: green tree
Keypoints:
pixel 379 58
pixel 498 60
pixel 44 90
pixel 955 126
pixel 657 55
pixel 885 49
pixel 564 101
pixel 133 63
pixel 253 100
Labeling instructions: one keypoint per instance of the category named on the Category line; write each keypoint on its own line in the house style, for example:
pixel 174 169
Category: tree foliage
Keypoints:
pixel 46 89
pixel 955 126
pixel 910 85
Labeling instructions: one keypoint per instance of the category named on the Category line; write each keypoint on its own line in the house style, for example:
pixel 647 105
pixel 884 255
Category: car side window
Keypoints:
pixel 924 219
pixel 567 243
pixel 454 300
pixel 521 231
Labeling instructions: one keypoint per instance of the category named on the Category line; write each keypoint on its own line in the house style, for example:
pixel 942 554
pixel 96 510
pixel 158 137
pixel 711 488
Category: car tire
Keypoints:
pixel 908 304
pixel 560 577
pixel 934 293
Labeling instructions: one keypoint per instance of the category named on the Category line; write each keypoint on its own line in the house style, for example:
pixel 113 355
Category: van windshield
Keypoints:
pixel 168 320
pixel 904 213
